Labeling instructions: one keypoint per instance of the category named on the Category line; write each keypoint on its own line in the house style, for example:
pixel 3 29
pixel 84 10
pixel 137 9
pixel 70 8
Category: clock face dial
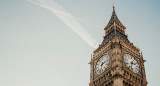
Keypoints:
pixel 102 64
pixel 132 63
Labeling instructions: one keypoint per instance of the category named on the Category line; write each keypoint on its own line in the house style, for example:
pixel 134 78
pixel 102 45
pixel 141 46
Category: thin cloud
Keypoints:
pixel 67 18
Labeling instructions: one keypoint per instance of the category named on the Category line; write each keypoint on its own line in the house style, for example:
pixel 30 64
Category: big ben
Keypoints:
pixel 117 62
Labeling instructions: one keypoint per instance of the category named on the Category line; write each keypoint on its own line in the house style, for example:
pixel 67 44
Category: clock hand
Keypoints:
pixel 102 63
pixel 131 62
pixel 131 65
pixel 100 71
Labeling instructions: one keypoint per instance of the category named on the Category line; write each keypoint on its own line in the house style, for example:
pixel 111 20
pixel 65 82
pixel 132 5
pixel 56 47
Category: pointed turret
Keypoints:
pixel 114 28
pixel 114 19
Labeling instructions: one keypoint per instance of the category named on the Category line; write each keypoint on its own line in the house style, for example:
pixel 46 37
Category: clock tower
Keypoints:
pixel 117 62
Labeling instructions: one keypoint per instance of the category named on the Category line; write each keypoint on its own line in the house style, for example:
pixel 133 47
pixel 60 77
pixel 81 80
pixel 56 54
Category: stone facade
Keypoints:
pixel 120 70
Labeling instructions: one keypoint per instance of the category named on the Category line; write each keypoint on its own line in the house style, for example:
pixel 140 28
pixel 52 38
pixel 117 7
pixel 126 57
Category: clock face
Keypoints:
pixel 132 63
pixel 102 64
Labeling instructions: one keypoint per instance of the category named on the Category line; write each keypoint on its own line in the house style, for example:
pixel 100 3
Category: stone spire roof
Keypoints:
pixel 113 19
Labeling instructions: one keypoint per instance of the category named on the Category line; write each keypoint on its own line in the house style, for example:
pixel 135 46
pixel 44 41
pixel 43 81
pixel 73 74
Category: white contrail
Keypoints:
pixel 67 18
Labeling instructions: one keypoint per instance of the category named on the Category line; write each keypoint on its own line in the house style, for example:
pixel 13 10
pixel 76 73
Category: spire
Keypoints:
pixel 114 18
pixel 113 5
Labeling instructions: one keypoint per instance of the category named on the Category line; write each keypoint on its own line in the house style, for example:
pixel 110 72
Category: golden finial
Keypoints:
pixel 113 4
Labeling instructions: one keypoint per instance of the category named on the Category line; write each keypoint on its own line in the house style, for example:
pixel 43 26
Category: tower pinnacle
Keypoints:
pixel 114 19
pixel 113 5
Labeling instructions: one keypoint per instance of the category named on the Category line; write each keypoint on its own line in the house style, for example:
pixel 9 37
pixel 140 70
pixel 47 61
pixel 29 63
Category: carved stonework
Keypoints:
pixel 117 62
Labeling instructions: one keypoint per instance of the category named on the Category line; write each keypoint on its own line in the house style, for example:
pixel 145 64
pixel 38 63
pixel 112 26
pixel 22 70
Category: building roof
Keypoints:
pixel 113 19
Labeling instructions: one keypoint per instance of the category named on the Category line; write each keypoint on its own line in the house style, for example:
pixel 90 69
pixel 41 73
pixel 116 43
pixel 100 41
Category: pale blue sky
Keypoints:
pixel 38 49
